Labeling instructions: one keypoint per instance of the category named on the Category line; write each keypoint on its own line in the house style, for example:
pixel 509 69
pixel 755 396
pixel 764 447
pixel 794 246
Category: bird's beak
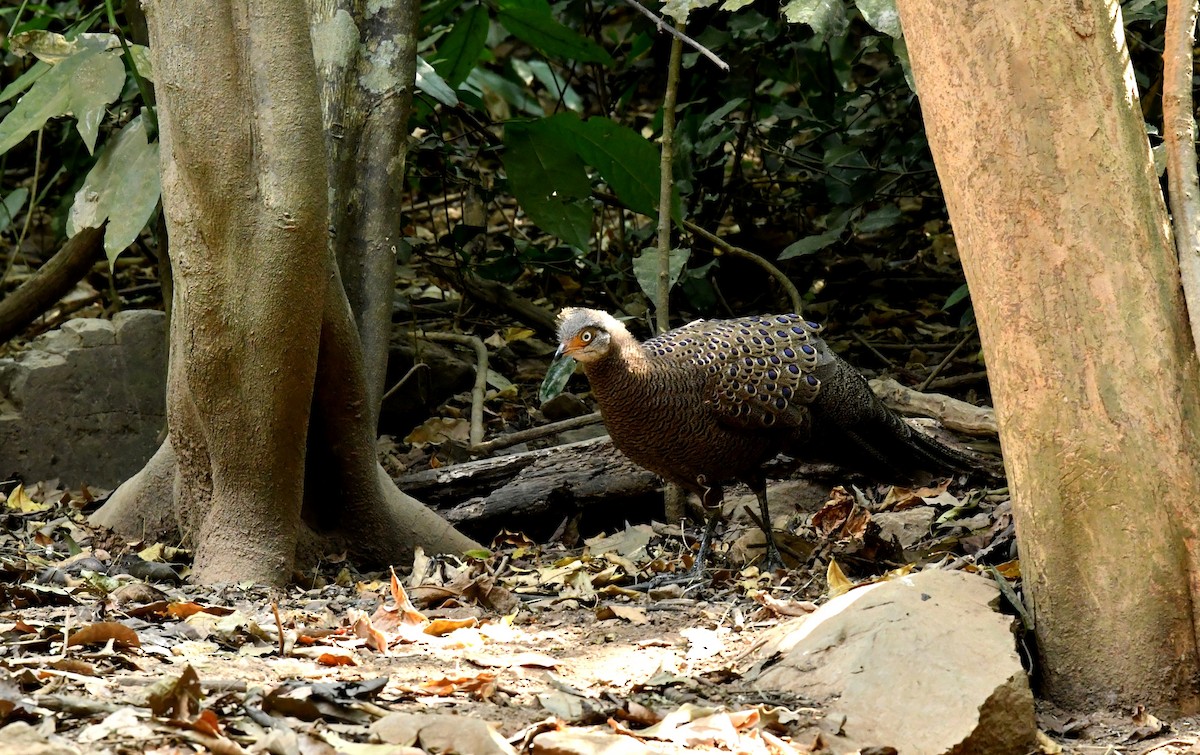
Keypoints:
pixel 568 347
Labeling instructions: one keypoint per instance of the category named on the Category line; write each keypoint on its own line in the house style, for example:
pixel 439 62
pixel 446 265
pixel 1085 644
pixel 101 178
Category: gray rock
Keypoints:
pixel 923 663
pixel 909 526
pixel 86 403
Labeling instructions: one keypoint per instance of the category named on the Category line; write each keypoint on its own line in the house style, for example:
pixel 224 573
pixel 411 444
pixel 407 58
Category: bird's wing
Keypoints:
pixel 760 368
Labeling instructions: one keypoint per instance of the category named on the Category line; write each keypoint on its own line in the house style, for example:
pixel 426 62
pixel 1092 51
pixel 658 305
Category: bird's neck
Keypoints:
pixel 626 365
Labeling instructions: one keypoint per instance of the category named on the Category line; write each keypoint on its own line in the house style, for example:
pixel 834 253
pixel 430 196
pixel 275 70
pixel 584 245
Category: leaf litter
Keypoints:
pixel 527 648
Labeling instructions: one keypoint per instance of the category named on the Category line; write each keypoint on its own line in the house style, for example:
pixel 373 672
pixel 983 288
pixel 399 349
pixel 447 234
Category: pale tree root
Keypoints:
pixel 143 508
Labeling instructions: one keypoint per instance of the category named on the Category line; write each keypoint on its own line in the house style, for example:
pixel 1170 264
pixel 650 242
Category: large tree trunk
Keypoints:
pixel 262 337
pixel 1034 123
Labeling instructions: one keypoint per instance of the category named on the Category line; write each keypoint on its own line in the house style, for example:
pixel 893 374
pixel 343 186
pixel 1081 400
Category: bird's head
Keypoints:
pixel 586 334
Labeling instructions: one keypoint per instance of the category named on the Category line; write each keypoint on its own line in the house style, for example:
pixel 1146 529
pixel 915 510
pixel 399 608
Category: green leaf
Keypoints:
pixel 548 179
pixel 626 161
pixel 11 205
pixel 141 59
pixel 459 50
pixel 679 9
pixel 882 15
pixel 826 17
pixel 83 84
pixel 492 87
pixel 810 244
pixel 557 375
pixel 93 86
pixel 24 81
pixel 122 187
pixel 900 48
pixel 960 293
pixel 52 47
pixel 532 22
pixel 645 269
pixel 555 84
pixel 878 220
pixel 431 84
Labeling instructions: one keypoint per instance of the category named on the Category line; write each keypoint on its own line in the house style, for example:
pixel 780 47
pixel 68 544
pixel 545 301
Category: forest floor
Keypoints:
pixel 107 648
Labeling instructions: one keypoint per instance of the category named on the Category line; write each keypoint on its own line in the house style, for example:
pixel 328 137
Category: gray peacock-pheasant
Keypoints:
pixel 714 400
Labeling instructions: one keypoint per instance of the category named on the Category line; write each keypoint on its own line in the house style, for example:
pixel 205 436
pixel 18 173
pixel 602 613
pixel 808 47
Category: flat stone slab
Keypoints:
pixel 85 404
pixel 924 663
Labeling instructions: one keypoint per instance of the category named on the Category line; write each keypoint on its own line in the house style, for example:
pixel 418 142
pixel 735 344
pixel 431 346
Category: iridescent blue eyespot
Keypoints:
pixel 812 380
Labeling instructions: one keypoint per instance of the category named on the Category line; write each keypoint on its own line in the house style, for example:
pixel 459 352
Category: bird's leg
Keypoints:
pixel 711 499
pixel 759 485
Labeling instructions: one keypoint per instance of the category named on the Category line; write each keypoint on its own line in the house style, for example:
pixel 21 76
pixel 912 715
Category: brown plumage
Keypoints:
pixel 715 399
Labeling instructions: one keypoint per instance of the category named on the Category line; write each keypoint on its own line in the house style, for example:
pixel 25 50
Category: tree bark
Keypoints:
pixel 262 338
pixel 1039 143
pixel 366 62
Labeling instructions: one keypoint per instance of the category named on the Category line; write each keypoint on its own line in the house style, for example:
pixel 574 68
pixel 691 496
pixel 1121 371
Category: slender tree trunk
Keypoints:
pixel 366 62
pixel 1038 139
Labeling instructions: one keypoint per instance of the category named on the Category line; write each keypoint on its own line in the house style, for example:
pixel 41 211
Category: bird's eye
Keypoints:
pixel 585 336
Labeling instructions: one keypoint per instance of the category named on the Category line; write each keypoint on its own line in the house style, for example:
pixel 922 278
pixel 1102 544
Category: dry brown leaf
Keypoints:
pixel 103 631
pixel 443 627
pixel 837 580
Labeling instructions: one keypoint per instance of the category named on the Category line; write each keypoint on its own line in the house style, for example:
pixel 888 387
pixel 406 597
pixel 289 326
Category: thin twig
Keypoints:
pixel 721 246
pixel 533 433
pixel 481 368
pixel 400 383
pixel 279 628
pixel 662 25
pixel 872 349
pixel 942 364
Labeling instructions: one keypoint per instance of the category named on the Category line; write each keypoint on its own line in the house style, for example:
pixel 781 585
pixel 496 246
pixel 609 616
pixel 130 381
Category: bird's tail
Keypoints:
pixel 853 428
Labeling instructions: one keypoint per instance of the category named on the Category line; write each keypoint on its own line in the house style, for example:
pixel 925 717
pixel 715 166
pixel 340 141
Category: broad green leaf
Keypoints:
pixel 52 47
pixel 826 17
pixel 645 269
pixel 93 86
pixel 881 15
pixel 679 9
pixel 24 81
pixel 81 84
pixel 459 50
pixel 141 59
pixel 735 5
pixel 548 179
pixel 122 187
pixel 557 375
pixel 11 205
pixel 532 21
pixel 626 161
pixel 431 84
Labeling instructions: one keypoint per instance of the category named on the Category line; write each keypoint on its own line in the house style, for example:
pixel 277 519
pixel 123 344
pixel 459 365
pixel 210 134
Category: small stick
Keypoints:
pixel 664 26
pixel 942 364
pixel 533 433
pixel 481 368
